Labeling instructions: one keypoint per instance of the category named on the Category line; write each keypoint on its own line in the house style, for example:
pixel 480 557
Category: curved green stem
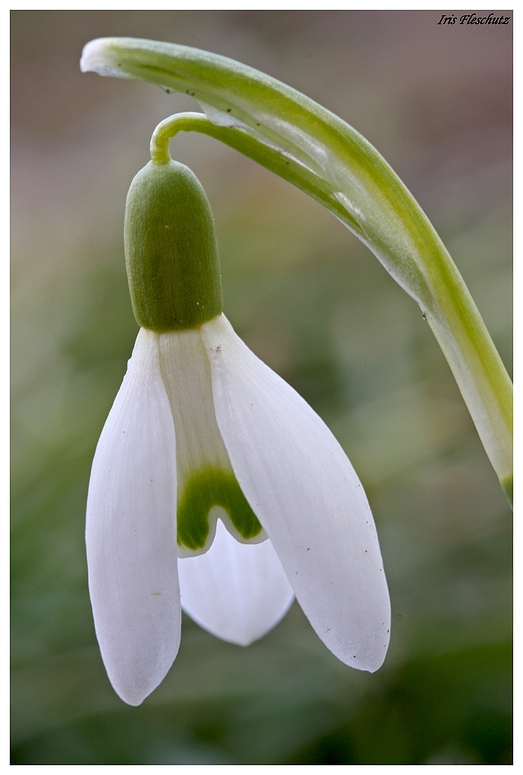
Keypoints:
pixel 265 155
pixel 315 150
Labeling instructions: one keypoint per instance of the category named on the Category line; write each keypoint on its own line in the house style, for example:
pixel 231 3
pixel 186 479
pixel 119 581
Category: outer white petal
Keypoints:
pixel 236 591
pixel 308 498
pixel 131 531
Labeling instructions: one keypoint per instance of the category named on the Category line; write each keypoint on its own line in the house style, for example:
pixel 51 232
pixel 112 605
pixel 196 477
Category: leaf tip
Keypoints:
pixel 96 58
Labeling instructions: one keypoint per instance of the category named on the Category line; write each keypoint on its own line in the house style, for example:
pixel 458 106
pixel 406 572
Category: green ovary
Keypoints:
pixel 203 491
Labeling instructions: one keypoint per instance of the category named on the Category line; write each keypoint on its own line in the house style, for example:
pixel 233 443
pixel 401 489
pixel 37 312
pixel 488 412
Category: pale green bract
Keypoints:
pixel 320 153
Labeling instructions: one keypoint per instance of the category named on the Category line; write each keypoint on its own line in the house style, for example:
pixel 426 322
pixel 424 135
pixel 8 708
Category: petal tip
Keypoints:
pixel 132 694
pixel 136 674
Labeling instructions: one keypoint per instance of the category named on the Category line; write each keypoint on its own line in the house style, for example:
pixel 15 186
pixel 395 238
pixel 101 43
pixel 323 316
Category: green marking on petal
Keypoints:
pixel 203 491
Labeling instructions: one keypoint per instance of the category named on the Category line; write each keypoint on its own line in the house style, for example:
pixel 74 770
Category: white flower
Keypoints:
pixel 196 409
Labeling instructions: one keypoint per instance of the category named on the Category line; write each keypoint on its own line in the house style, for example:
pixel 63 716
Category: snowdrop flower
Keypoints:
pixel 215 488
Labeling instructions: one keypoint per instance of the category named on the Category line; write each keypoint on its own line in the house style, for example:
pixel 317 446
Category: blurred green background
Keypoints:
pixel 319 309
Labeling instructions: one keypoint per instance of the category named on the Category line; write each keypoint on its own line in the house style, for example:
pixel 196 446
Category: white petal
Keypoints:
pixel 200 449
pixel 131 531
pixel 308 498
pixel 187 379
pixel 236 591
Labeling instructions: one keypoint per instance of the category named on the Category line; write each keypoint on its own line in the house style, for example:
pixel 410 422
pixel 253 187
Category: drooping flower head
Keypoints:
pixel 215 488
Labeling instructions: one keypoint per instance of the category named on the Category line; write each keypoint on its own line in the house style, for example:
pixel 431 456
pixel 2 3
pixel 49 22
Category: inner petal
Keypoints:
pixel 205 475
